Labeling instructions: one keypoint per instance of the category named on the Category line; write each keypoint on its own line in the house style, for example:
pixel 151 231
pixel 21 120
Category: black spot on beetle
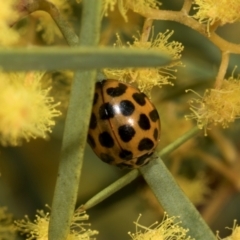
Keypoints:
pixel 91 141
pixel 125 154
pixel 145 144
pixel 126 107
pixel 103 81
pixel 155 134
pixel 117 91
pixel 95 98
pixel 144 122
pixel 106 158
pixel 139 98
pixel 98 85
pixel 106 140
pixel 93 121
pixel 154 115
pixel 106 111
pixel 126 132
pixel 142 160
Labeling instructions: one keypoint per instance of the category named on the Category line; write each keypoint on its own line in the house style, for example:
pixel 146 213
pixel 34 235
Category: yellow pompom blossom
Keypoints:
pixel 222 11
pixel 60 82
pixel 48 28
pixel 38 229
pixel 108 5
pixel 235 233
pixel 27 110
pixel 8 15
pixel 195 189
pixel 217 106
pixel 168 229
pixel 147 78
pixel 7 229
pixel 136 6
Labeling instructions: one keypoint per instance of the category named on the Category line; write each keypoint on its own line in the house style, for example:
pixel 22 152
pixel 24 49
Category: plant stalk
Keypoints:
pixel 75 132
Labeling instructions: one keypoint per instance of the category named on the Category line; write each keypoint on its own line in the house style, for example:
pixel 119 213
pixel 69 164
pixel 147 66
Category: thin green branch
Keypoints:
pixel 178 142
pixel 56 58
pixel 28 6
pixel 129 177
pixel 187 5
pixel 174 201
pixel 75 132
pixel 222 70
pixel 111 189
pixel 147 27
pixel 183 18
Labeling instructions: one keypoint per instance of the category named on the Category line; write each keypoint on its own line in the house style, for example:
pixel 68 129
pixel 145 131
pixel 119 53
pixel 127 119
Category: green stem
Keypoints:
pixel 185 19
pixel 222 70
pixel 52 58
pixel 178 142
pixel 187 5
pixel 75 132
pixel 174 201
pixel 111 189
pixel 28 6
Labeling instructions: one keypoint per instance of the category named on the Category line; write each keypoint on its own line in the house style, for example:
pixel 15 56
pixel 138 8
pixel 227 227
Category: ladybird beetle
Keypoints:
pixel 124 127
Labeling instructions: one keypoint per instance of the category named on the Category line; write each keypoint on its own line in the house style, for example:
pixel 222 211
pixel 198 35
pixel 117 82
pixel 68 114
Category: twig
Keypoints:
pixel 174 201
pixel 75 132
pixel 225 146
pixel 222 70
pixel 28 6
pixel 181 17
pixel 178 142
pixel 232 175
pixel 218 200
pixel 85 58
pixel 147 26
pixel 111 189
pixel 186 6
